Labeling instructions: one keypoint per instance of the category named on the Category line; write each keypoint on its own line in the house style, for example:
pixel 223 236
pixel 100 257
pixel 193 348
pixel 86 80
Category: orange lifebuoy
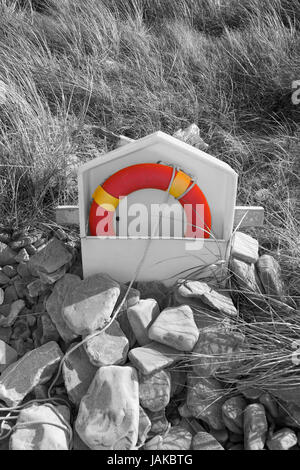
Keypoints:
pixel 106 197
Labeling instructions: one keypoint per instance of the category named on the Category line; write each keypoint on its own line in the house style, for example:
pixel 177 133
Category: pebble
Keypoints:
pixel 270 404
pixel 51 278
pixel 36 288
pixel 159 422
pixel 7 255
pixel 216 349
pixel 255 427
pixel 205 441
pixel 89 307
pixel 108 417
pixel 244 275
pixel 154 290
pixel 144 427
pixel 153 357
pixel 155 390
pixel 269 273
pixel 14 309
pixel 32 434
pixel 10 295
pixel 51 257
pixel 284 439
pixel 175 327
pixel 55 301
pixel 109 347
pixel 4 279
pixel 5 334
pixel 22 256
pixel 7 355
pixel 244 248
pixel 178 438
pixel 34 368
pixel 9 270
pixel 197 290
pixel 233 412
pixel 205 399
pixel 49 331
pixel 140 317
pixel 78 374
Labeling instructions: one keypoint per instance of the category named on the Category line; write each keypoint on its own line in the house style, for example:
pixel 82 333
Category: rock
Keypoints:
pixel 205 397
pixel 270 404
pixel 89 307
pixel 154 290
pixel 24 241
pixel 5 237
pixel 51 278
pixel 78 444
pixel 108 417
pixel 232 446
pixel 51 257
pixel 7 255
pixel 32 434
pixel 289 415
pixel 144 427
pixel 55 301
pixel 233 412
pixel 284 439
pixel 221 436
pixel 20 287
pixel 50 332
pixel 5 334
pixel 205 441
pixel 177 438
pixel 14 309
pixel 175 327
pixel 200 291
pixel 288 394
pixel 7 356
pixel 153 357
pixel 244 248
pixel 9 270
pixel 269 272
pixel 133 297
pixel 140 317
pixel 109 347
pixel 191 135
pixel 41 392
pixel 255 427
pixel 78 374
pixel 126 328
pixel 216 349
pixel 36 367
pixel 154 390
pixel 10 295
pixel 21 329
pixel 25 272
pixel 184 411
pixel 22 256
pixel 1 296
pixel 244 275
pixel 36 288
pixel 159 422
pixel 4 279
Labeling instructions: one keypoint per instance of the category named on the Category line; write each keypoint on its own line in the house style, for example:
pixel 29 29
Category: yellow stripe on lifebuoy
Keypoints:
pixel 105 200
pixel 180 184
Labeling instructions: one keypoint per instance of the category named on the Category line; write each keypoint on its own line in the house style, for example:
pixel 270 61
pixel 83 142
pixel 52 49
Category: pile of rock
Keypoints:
pixel 148 379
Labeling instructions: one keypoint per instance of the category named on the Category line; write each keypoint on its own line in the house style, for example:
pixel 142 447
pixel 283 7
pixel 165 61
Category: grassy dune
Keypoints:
pixel 136 66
